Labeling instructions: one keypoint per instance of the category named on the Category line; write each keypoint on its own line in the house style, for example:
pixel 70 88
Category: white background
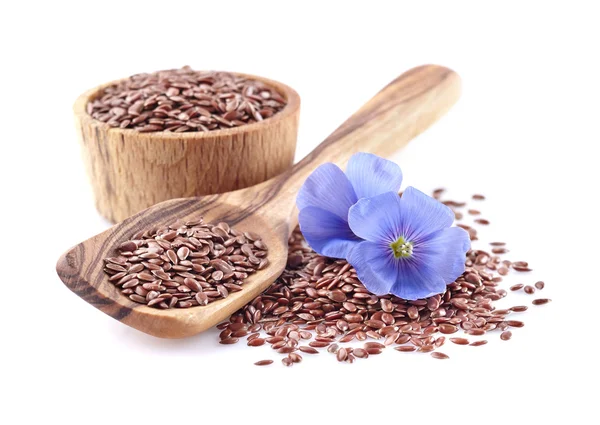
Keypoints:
pixel 525 133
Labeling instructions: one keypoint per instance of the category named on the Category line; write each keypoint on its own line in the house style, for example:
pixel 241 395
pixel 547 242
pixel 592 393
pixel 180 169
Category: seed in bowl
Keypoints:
pixel 184 100
pixel 185 264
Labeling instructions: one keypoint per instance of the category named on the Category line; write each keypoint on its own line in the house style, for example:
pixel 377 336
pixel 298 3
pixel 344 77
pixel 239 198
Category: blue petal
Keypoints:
pixel 445 251
pixel 327 188
pixel 422 215
pixel 326 233
pixel 372 175
pixel 377 219
pixel 416 281
pixel 375 266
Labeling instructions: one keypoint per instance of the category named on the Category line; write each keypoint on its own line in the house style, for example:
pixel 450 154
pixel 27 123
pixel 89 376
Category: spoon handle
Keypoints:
pixel 400 111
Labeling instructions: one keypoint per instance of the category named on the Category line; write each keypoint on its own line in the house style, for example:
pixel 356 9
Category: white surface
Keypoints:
pixel 524 133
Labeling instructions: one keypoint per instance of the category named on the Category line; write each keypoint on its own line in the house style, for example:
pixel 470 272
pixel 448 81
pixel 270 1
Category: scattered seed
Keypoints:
pixel 541 301
pixel 519 308
pixel 439 355
pixel 333 348
pixel 256 342
pixel 405 348
pixel 321 301
pixel 342 354
pixel 263 362
pixel 308 350
pixel 539 285
pixel 361 353
pixel 529 289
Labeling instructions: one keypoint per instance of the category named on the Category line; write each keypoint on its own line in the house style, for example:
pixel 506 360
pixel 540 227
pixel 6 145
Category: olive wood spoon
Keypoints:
pixel 399 112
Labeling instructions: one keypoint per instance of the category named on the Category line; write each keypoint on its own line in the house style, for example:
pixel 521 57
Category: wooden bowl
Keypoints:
pixel 131 171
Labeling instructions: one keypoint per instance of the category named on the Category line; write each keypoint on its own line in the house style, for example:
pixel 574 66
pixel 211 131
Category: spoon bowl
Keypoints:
pixel 403 109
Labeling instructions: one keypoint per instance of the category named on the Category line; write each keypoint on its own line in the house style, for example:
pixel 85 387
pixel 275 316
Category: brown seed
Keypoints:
pixel 413 312
pixel 529 289
pixel 448 329
pixel 138 299
pixel 478 197
pixel 308 350
pixel 229 341
pixel 253 336
pixel 360 353
pixel 337 296
pixel 263 362
pixel 521 268
pixel 287 361
pixel 519 308
pixel 478 343
pixel 541 301
pixel 391 338
pixel 333 348
pixel 342 354
pixel 405 348
pixel 295 357
pixel 539 285
pixel 374 345
pixel 439 355
pixel 506 335
pixel 460 341
pixel 256 342
pixel 517 287
pixel 377 324
pixel 183 253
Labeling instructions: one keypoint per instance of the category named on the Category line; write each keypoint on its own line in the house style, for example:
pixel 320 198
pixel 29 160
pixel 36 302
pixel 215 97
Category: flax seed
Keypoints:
pixel 184 100
pixel 321 301
pixel 166 260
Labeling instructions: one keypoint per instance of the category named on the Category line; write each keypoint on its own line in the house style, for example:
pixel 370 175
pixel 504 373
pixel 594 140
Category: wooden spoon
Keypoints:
pixel 399 112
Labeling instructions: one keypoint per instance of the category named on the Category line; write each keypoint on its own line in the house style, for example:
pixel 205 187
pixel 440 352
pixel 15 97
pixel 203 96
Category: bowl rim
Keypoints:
pixel 290 109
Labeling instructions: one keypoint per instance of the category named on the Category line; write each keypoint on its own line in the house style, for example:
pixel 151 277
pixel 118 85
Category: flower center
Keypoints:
pixel 402 248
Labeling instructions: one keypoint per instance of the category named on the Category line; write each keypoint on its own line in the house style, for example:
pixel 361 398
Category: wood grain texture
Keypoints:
pixel 130 171
pixel 400 111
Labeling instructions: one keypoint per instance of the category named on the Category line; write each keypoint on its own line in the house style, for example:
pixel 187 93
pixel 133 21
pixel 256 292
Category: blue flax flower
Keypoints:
pixel 328 193
pixel 410 250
